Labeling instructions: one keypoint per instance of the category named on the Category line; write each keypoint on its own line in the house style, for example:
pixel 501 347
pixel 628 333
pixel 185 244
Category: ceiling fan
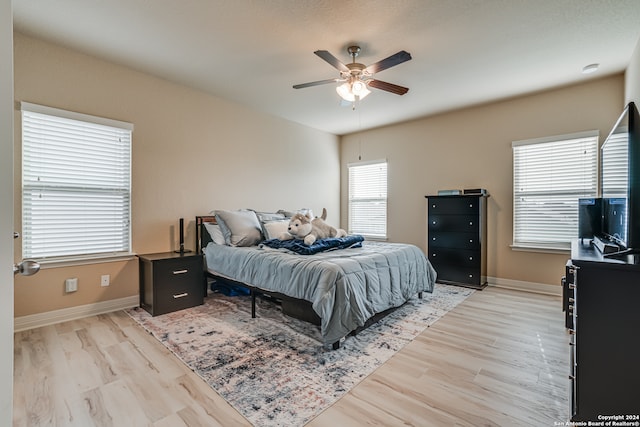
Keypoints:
pixel 357 77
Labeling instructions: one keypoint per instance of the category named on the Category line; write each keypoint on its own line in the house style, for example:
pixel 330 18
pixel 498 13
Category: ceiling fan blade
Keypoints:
pixel 389 87
pixel 324 54
pixel 316 83
pixel 389 62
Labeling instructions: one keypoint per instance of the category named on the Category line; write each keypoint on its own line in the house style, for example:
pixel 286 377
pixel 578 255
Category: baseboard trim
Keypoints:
pixel 32 321
pixel 519 285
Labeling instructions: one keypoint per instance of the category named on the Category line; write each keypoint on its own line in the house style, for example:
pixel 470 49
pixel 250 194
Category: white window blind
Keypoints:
pixel 549 176
pixel 368 199
pixel 76 184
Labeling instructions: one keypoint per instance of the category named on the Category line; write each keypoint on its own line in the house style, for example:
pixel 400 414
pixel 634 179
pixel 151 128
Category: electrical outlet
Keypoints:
pixel 71 285
pixel 105 280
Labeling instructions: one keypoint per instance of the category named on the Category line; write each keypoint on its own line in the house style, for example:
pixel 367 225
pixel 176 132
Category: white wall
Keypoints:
pixel 191 153
pixel 471 148
pixel 632 78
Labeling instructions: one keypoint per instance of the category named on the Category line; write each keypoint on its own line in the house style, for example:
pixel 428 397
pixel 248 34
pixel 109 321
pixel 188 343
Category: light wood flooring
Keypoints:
pixel 500 358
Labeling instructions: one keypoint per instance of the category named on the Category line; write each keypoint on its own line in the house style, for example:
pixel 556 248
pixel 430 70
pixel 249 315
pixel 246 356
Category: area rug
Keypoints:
pixel 274 369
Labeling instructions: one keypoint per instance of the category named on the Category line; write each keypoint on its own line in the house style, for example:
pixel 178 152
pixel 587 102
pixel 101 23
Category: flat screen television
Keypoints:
pixel 620 182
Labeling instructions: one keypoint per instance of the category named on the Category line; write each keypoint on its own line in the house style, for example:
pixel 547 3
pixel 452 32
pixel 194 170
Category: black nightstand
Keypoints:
pixel 171 281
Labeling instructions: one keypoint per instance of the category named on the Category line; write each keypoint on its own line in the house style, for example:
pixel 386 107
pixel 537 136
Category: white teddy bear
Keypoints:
pixel 303 227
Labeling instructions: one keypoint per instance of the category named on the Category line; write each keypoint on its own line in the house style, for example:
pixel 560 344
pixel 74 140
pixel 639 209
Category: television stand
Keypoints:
pixel 603 358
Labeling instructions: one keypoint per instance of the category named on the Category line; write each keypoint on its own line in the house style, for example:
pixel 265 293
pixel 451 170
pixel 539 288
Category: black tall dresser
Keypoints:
pixel 457 238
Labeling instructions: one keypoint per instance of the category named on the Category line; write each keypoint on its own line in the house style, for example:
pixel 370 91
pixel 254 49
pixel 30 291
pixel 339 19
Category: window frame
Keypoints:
pixel 121 191
pixel 567 225
pixel 354 228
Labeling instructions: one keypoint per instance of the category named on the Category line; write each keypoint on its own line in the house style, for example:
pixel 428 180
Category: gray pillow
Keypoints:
pixel 269 216
pixel 215 232
pixel 289 214
pixel 274 228
pixel 240 228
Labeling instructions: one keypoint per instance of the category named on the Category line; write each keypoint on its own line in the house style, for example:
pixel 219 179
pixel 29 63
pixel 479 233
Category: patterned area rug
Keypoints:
pixel 274 369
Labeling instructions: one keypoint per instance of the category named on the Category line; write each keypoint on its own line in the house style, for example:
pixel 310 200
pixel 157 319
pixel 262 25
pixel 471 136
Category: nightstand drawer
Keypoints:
pixel 171 282
pixel 176 296
pixel 176 271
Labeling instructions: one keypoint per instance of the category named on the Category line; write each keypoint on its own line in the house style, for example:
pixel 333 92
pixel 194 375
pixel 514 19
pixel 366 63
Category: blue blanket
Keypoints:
pixel 322 245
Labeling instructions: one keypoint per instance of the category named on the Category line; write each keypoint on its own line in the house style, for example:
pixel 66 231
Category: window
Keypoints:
pixel 549 176
pixel 368 199
pixel 76 191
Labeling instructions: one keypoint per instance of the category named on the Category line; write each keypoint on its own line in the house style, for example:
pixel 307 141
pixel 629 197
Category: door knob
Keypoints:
pixel 26 268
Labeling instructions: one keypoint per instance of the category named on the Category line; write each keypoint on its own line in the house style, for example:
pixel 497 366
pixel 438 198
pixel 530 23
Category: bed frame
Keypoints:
pixel 294 307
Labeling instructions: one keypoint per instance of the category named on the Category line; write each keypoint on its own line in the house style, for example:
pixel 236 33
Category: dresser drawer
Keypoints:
pixel 460 223
pixel 454 265
pixel 442 239
pixel 453 205
pixel 448 273
pixel 455 257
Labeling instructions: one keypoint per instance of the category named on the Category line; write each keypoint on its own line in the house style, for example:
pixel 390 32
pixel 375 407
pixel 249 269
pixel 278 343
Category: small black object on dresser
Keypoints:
pixel 457 238
pixel 171 281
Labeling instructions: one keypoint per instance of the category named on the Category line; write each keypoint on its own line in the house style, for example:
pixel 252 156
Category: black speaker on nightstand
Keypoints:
pixel 182 250
pixel 589 217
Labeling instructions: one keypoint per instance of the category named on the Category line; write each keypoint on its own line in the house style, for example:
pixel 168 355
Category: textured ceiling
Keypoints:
pixel 465 52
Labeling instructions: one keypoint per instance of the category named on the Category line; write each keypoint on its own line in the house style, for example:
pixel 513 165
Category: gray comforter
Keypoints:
pixel 346 287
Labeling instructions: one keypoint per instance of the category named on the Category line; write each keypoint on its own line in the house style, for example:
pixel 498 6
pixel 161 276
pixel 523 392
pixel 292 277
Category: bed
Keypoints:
pixel 340 290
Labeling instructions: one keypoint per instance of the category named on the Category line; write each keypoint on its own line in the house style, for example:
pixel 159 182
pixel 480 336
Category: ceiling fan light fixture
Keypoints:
pixel 344 90
pixel 349 90
pixel 359 89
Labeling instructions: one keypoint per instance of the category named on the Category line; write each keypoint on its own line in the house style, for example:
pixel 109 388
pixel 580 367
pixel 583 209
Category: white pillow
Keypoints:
pixel 240 228
pixel 273 229
pixel 215 232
